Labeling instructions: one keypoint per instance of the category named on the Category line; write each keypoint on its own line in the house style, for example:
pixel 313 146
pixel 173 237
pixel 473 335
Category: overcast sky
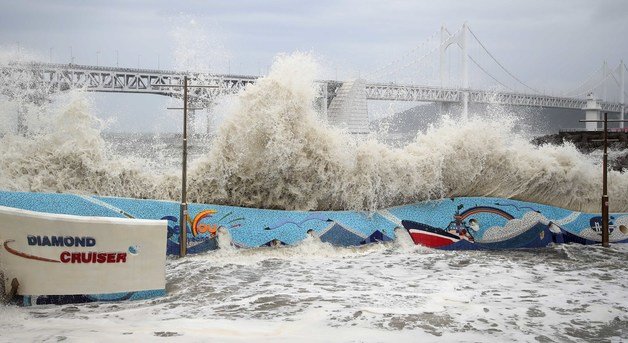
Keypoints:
pixel 548 44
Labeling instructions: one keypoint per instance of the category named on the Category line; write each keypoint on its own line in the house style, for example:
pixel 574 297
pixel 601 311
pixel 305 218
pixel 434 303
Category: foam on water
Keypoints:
pixel 315 292
pixel 273 151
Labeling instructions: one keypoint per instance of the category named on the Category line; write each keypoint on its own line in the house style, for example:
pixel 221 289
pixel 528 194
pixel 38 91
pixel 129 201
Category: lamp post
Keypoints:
pixel 183 210
pixel 183 240
pixel 605 215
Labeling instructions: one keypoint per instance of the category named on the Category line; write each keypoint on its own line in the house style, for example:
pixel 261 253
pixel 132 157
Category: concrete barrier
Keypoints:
pixel 67 259
pixel 488 223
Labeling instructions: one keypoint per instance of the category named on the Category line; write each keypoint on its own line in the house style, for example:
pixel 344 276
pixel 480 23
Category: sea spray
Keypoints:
pixel 274 151
pixel 65 152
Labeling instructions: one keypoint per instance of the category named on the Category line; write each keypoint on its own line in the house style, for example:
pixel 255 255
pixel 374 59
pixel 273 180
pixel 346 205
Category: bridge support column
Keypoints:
pixel 443 48
pixel 592 112
pixel 349 108
pixel 22 128
pixel 465 106
pixel 445 108
pixel 320 103
pixel 208 127
pixel 465 72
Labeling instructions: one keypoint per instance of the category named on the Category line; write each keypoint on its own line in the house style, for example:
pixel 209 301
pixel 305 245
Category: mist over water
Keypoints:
pixel 274 151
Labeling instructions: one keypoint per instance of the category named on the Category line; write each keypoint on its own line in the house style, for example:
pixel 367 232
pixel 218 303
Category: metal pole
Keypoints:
pixel 183 238
pixel 622 93
pixel 605 186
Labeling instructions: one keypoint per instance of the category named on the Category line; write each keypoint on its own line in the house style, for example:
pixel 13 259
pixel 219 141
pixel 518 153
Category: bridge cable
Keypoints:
pixel 594 87
pixel 498 63
pixel 406 55
pixel 487 73
pixel 583 83
pixel 618 84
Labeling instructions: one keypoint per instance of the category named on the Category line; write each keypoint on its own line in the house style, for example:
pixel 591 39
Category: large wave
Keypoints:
pixel 274 151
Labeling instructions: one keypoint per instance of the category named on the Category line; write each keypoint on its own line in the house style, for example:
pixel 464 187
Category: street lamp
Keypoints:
pixel 605 219
pixel 183 214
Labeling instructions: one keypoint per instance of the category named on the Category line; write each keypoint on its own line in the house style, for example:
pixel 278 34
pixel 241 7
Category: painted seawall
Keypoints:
pixel 494 220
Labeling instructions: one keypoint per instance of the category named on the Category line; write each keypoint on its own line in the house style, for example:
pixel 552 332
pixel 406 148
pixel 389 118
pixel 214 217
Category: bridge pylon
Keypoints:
pixel 460 39
pixel 22 128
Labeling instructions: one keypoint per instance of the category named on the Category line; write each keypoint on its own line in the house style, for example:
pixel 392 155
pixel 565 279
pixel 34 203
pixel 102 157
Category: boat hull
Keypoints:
pixel 429 236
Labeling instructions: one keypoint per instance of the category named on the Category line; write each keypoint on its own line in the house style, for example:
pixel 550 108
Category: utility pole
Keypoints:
pixel 183 210
pixel 183 235
pixel 605 215
pixel 622 92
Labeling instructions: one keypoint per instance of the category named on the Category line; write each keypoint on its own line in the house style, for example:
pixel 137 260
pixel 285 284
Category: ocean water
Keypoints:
pixel 314 292
pixel 273 151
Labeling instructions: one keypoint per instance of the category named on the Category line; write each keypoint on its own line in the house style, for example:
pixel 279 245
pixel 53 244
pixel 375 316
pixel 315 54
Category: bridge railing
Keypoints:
pixel 130 80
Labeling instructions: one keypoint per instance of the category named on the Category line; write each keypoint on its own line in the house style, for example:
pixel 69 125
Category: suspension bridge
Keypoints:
pixel 467 73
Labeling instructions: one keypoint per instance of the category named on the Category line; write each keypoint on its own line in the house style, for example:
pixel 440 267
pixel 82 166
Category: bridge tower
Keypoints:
pixel 459 38
pixel 22 129
pixel 349 109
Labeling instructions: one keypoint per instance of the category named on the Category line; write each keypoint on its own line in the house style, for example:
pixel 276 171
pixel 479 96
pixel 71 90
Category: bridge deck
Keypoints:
pixel 60 77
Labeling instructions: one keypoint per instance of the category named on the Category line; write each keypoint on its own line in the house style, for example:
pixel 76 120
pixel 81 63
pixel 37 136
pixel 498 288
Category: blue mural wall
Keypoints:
pixel 457 223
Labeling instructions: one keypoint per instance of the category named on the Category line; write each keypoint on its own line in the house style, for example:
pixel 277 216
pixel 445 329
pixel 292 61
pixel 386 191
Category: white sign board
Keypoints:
pixel 52 254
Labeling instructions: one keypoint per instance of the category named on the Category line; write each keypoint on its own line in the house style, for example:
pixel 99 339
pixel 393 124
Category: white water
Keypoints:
pixel 317 293
pixel 273 151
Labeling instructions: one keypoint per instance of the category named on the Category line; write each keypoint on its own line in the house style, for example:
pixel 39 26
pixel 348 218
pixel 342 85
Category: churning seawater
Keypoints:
pixel 273 151
pixel 379 293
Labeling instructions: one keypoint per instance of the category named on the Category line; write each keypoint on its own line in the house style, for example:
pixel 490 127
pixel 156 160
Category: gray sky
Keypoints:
pixel 548 44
